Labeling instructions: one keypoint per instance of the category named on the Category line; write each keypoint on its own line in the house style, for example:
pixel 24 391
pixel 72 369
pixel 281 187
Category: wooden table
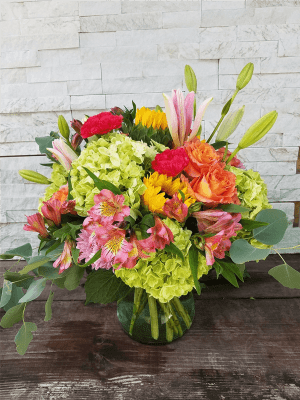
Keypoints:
pixel 237 348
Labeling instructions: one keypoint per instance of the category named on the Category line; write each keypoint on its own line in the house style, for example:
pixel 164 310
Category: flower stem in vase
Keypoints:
pixel 169 317
pixel 182 311
pixel 153 317
pixel 175 319
pixel 138 292
pixel 169 332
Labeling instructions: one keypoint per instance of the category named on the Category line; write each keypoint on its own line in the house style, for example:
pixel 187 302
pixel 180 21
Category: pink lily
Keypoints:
pixel 63 153
pixel 161 235
pixel 65 259
pixel 36 224
pixel 179 112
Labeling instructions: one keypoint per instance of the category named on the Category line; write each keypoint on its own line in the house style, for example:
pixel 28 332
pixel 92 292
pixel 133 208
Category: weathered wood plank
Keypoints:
pixel 236 349
pixel 260 285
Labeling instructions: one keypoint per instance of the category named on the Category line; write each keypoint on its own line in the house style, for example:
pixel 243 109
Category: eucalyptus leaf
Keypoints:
pixel 193 259
pixel 24 251
pixel 19 280
pixel 277 224
pixel 241 251
pixel 35 262
pixel 250 224
pixel 73 278
pixel 34 290
pixel 16 294
pixel 286 275
pixel 24 337
pixel 48 308
pixel 6 293
pixel 48 271
pixel 13 316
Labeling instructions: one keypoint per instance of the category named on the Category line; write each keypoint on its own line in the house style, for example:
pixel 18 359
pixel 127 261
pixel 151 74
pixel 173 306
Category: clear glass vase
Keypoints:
pixel 148 321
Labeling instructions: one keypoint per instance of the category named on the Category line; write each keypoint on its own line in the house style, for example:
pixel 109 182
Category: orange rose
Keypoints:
pixel 201 155
pixel 214 186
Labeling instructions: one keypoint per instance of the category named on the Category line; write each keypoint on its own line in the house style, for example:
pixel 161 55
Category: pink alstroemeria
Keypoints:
pixel 175 208
pixel 53 209
pixel 216 246
pixel 161 235
pixel 139 250
pixel 36 224
pixel 235 162
pixel 63 153
pixel 179 112
pixel 65 259
pixel 109 206
pixel 116 249
pixel 215 221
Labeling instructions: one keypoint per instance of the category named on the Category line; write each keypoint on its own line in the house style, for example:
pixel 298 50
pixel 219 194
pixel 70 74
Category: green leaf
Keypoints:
pixel 75 254
pixel 60 282
pixel 234 208
pixel 24 337
pixel 44 143
pixel 17 293
pixel 286 275
pixel 130 220
pixel 277 224
pixel 226 271
pixel 73 278
pixel 70 197
pixel 6 293
pixel 226 107
pixel 102 184
pixel 48 309
pixel 219 144
pixel 245 76
pixel 193 259
pixel 24 251
pixel 69 229
pixel 190 79
pixel 171 248
pixel 93 259
pixel 38 261
pixel 158 108
pixel 13 316
pixel 48 271
pixel 241 251
pixel 53 247
pixel 182 195
pixel 250 224
pixel 34 290
pixel 104 287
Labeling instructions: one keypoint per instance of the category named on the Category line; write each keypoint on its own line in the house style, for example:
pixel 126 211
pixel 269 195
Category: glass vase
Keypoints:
pixel 148 321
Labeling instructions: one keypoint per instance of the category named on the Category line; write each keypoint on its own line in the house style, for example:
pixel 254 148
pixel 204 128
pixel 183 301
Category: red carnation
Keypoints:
pixel 171 162
pixel 101 124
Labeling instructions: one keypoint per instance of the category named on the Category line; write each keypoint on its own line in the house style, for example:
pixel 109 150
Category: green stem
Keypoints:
pixel 182 311
pixel 232 155
pixel 153 317
pixel 225 152
pixel 169 317
pixel 136 305
pixel 169 332
pixel 176 320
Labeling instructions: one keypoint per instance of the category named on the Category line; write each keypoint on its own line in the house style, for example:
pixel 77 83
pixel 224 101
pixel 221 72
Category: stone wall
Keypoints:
pixel 77 57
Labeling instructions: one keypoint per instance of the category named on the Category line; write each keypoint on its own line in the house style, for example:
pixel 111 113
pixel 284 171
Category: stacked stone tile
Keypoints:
pixel 72 58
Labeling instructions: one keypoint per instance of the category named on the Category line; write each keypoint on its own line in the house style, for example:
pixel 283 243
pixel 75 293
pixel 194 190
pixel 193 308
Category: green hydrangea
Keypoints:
pixel 115 158
pixel 252 191
pixel 58 178
pixel 165 275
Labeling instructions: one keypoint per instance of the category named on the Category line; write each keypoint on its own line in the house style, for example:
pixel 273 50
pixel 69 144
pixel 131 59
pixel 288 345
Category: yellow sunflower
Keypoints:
pixel 147 117
pixel 158 186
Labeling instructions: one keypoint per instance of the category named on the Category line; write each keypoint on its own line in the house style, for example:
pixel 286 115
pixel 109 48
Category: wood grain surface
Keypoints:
pixel 237 348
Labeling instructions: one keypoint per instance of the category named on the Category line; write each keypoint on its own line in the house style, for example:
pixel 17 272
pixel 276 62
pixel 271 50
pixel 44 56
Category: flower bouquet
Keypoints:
pixel 142 207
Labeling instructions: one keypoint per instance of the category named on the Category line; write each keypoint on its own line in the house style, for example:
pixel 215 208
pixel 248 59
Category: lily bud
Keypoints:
pixel 63 153
pixel 244 76
pixel 190 79
pixel 230 124
pixel 258 130
pixel 76 125
pixel 76 140
pixel 33 176
pixel 63 127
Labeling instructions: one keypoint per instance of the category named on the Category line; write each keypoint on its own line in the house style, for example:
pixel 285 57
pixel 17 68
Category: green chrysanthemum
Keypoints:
pixel 115 158
pixel 58 178
pixel 165 275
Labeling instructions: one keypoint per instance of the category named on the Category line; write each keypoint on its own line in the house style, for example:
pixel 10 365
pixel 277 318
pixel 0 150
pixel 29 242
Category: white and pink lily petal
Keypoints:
pixel 63 153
